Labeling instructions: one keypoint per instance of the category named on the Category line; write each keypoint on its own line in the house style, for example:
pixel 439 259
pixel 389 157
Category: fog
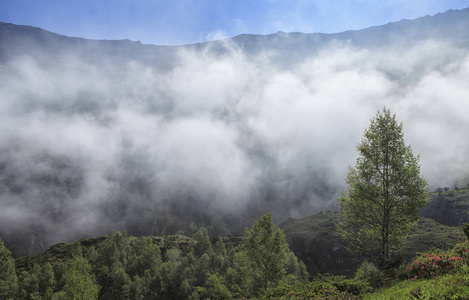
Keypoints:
pixel 217 139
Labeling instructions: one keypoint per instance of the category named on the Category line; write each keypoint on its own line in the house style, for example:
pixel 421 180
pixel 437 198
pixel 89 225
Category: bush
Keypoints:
pixel 432 265
pixel 344 284
pixel 462 250
pixel 465 228
pixel 371 274
pixel 317 289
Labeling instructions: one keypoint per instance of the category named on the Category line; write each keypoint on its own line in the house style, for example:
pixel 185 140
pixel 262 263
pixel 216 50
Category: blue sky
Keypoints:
pixel 173 22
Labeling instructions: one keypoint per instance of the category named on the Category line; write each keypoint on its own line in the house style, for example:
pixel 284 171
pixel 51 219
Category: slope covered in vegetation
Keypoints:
pixel 435 274
pixel 119 266
pixel 314 241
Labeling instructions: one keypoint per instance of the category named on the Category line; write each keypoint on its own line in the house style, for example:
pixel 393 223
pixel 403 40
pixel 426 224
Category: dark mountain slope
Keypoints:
pixel 314 241
pixel 450 207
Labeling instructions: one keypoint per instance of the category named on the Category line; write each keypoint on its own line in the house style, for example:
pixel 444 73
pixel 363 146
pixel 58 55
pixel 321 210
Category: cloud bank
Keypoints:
pixel 217 139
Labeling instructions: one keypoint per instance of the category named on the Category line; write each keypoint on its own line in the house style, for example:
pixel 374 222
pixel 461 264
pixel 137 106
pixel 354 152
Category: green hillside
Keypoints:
pixel 120 266
pixel 314 241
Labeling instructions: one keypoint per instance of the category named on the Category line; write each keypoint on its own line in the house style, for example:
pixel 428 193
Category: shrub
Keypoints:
pixel 371 274
pixel 316 289
pixel 344 284
pixel 465 228
pixel 462 250
pixel 432 265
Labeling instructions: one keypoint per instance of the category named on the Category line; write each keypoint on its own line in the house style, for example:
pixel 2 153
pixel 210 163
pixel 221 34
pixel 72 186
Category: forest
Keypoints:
pixel 119 266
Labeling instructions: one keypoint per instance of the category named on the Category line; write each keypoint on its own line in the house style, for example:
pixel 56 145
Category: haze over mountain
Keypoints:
pixel 101 135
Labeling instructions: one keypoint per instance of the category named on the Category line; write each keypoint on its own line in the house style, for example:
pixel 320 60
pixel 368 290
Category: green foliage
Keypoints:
pixel 371 274
pixel 435 275
pixel 38 283
pixel 436 263
pixel 344 284
pixel 202 242
pixel 216 288
pixel 462 250
pixel 431 265
pixel 8 278
pixel 28 285
pixel 79 282
pixel 465 228
pixel 450 286
pixel 119 266
pixel 265 248
pixel 385 191
pixel 296 268
pixel 317 289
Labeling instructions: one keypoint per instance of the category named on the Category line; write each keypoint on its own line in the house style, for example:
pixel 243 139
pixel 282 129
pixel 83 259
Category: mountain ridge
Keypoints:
pixel 451 17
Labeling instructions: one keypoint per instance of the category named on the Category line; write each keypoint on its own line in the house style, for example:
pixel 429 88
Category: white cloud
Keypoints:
pixel 221 129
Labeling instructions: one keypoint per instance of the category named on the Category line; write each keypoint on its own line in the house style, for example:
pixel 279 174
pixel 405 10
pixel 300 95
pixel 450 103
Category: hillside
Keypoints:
pixel 313 240
pixel 448 206
pixel 119 266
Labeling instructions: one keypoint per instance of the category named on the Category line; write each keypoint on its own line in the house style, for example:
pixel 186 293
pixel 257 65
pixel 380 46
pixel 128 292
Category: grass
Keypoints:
pixel 450 286
pixel 437 283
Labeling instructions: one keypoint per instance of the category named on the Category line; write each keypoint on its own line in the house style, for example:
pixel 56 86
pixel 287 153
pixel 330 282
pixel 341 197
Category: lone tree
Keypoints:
pixel 385 191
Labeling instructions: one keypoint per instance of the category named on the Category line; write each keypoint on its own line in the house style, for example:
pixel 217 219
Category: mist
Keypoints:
pixel 218 138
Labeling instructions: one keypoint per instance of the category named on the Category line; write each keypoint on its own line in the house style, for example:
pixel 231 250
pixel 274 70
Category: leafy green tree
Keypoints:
pixel 215 289
pixel 79 282
pixel 385 191
pixel 8 278
pixel 266 249
pixel 296 268
pixel 202 242
pixel 144 256
pixel 118 283
pixel 47 280
pixel 28 285
pixel 37 283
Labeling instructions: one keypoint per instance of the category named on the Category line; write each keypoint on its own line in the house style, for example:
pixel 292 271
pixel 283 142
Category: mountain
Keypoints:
pixel 449 27
pixel 104 135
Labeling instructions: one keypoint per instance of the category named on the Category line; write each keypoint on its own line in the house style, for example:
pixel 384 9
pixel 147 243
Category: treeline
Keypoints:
pixel 126 267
